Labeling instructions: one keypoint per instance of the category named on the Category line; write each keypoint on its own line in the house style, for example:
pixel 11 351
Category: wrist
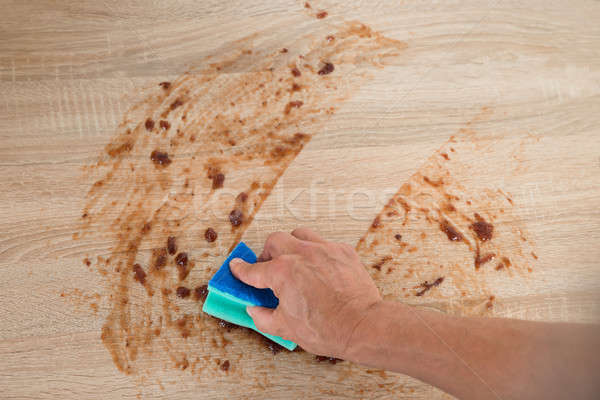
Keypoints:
pixel 367 330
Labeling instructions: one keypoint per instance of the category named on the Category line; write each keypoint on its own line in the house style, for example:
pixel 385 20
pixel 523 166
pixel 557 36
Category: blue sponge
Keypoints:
pixel 228 297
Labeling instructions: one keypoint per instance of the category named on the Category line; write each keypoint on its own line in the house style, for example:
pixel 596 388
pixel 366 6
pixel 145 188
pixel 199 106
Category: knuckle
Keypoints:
pixel 305 248
pixel 316 251
pixel 284 261
pixel 277 265
pixel 282 266
pixel 272 242
pixel 275 236
pixel 346 248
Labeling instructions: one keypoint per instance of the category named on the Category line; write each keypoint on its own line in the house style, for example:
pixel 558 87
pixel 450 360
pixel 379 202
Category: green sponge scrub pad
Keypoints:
pixel 228 297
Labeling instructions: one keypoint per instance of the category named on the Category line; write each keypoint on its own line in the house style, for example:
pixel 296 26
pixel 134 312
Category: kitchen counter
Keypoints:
pixel 451 109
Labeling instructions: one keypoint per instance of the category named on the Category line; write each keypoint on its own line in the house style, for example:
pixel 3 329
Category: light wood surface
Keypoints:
pixel 517 86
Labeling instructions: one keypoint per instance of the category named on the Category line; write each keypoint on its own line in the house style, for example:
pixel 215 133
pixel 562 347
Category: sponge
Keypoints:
pixel 228 297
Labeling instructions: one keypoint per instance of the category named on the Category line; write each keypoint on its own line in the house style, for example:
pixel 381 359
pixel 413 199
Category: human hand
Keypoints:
pixel 324 290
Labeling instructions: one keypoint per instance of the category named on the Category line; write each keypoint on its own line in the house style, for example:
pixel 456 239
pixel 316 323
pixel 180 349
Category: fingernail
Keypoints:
pixel 249 311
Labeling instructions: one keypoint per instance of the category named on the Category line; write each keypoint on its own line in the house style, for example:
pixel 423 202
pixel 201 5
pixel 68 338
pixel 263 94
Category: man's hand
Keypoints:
pixel 329 305
pixel 324 290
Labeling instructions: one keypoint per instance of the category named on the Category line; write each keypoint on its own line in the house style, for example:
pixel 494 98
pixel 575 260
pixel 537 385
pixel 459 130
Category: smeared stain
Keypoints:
pixel 482 259
pixel 183 292
pixel 157 193
pixel 381 262
pixel 376 223
pixel 82 301
pixel 149 124
pixel 160 158
pixel 326 69
pixel 292 104
pixel 201 292
pixel 426 286
pixel 465 246
pixel 450 231
pixel 483 229
pixel 210 235
pixel 164 124
pixel 171 245
pixel 236 217
pixel 139 273
pixel 330 360
pixel 225 366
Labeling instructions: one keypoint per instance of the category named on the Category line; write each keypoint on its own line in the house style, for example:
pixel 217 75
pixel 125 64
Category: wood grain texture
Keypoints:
pixel 70 70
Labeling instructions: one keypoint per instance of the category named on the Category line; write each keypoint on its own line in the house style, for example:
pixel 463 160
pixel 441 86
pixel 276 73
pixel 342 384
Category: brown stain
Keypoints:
pixel 330 360
pixel 160 191
pixel 426 286
pixel 171 245
pixel 381 262
pixel 451 232
pixel 326 69
pixel 457 230
pixel 482 228
pixel 82 301
pixel 479 259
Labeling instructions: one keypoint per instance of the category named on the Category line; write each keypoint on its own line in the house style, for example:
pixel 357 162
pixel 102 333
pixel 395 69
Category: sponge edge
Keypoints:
pixel 228 297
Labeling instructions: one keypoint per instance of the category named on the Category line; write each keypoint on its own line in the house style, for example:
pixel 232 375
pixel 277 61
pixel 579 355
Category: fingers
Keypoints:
pixel 277 244
pixel 280 243
pixel 307 234
pixel 258 275
pixel 264 319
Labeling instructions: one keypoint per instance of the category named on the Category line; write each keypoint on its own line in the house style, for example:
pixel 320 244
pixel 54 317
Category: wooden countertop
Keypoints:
pixel 496 103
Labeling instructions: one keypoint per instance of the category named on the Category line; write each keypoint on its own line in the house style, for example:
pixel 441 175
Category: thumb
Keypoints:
pixel 264 319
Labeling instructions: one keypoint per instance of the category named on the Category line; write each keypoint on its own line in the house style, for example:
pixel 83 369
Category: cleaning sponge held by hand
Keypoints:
pixel 228 297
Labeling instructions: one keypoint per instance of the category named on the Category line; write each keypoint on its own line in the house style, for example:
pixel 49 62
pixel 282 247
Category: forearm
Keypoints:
pixel 479 357
pixel 329 305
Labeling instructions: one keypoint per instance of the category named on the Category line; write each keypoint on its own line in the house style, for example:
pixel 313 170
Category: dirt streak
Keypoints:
pixel 469 235
pixel 204 151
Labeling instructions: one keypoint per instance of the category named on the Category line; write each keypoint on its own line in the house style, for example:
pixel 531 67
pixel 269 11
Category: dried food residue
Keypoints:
pixel 381 262
pixel 160 158
pixel 435 199
pixel 149 124
pixel 483 229
pixel 236 217
pixel 171 245
pixel 326 69
pixel 450 231
pixel 426 286
pixel 210 235
pixel 238 131
pixel 330 360
pixel 183 292
pixel 225 366
pixel 140 275
pixel 201 292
